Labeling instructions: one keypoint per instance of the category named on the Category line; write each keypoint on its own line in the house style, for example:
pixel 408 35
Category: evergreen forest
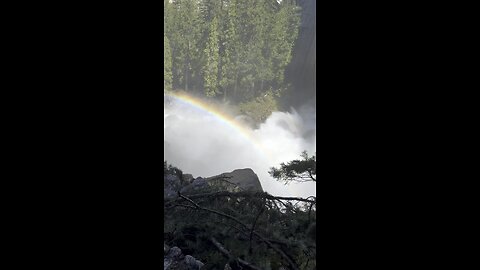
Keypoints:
pixel 230 50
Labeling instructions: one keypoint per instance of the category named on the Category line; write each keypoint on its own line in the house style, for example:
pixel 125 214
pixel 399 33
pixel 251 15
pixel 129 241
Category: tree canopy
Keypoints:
pixel 231 49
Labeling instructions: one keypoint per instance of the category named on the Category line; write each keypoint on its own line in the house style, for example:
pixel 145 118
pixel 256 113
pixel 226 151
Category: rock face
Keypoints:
pixel 196 185
pixel 171 184
pixel 238 180
pixel 244 179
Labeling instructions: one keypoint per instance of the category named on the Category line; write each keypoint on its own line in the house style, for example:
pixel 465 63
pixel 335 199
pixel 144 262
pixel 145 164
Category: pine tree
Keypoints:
pixel 237 48
pixel 229 54
pixel 167 64
pixel 185 32
pixel 304 170
pixel 284 34
pixel 212 59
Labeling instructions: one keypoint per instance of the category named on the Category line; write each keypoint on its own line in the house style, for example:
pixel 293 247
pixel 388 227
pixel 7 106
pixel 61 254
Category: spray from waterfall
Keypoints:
pixel 205 141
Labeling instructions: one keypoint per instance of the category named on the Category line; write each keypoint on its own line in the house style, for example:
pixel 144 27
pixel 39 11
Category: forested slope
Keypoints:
pixel 232 50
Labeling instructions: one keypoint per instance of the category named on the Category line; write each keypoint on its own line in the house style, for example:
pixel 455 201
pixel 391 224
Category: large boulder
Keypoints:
pixel 244 179
pixel 238 180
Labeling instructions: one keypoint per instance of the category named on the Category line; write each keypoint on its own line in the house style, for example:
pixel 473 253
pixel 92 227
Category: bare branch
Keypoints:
pixel 244 194
pixel 279 251
pixel 253 226
pixel 189 200
pixel 230 256
pixel 282 203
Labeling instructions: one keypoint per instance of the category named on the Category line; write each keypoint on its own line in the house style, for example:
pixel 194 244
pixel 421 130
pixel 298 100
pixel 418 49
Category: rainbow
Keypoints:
pixel 220 116
pixel 238 128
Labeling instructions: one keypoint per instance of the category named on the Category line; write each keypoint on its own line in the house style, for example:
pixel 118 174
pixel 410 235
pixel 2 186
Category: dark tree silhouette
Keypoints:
pixel 304 170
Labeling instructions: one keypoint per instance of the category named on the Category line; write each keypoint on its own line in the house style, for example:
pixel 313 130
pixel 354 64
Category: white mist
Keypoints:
pixel 202 145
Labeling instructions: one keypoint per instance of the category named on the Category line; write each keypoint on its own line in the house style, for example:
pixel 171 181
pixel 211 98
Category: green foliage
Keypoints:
pixel 211 67
pixel 296 170
pixel 260 108
pixel 167 64
pixel 283 34
pixel 183 30
pixel 238 48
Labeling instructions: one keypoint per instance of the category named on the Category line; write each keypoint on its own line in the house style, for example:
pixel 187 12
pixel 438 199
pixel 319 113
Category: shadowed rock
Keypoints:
pixel 245 179
pixel 238 180
pixel 173 259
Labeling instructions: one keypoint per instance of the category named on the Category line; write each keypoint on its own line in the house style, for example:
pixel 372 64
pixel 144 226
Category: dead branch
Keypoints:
pixel 230 256
pixel 244 194
pixel 279 251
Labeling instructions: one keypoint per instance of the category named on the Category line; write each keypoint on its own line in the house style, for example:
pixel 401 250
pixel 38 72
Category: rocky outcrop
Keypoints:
pixel 238 180
pixel 174 259
pixel 171 185
pixel 196 185
pixel 244 179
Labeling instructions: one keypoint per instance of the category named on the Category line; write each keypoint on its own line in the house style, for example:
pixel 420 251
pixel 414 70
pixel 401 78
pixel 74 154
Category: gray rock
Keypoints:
pixel 174 252
pixel 166 263
pixel 193 263
pixel 188 178
pixel 169 193
pixel 190 260
pixel 175 260
pixel 246 179
pixel 171 184
pixel 200 264
pixel 197 184
pixel 186 189
pixel 171 180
